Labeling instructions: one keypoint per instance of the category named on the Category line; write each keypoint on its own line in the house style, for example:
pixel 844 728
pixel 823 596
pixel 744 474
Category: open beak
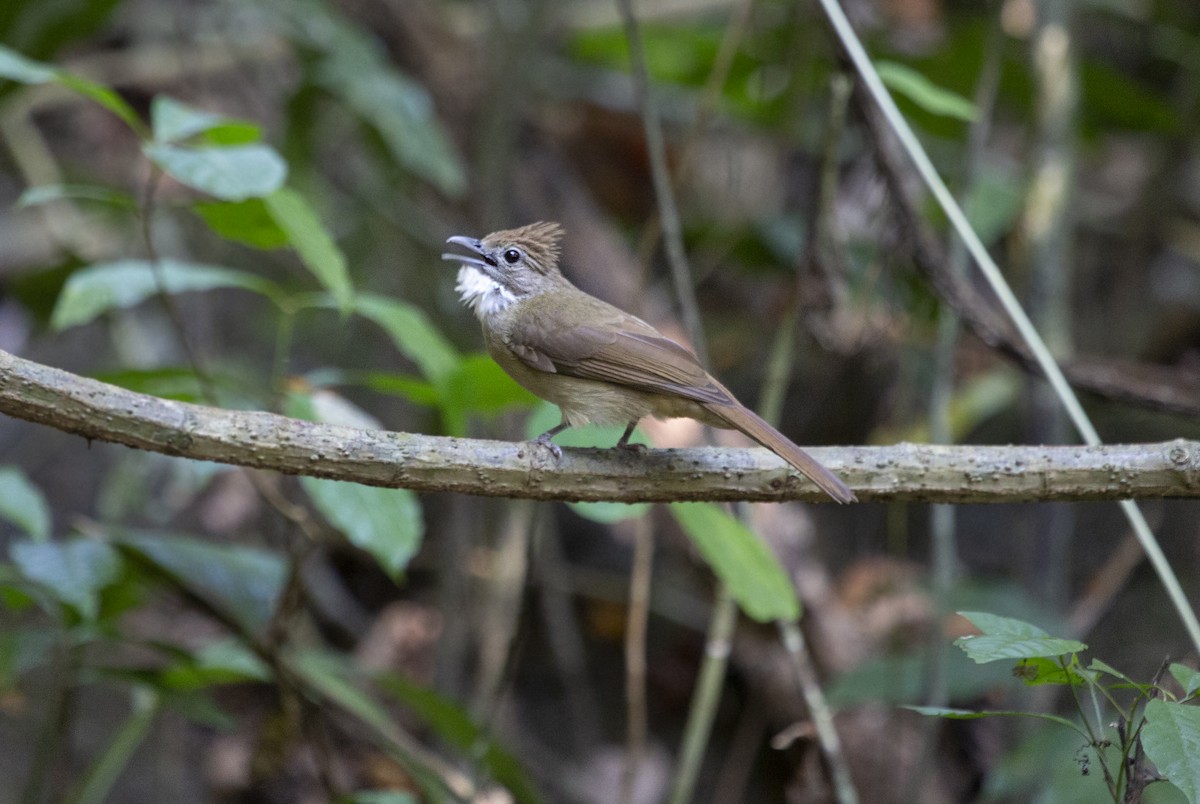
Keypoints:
pixel 472 244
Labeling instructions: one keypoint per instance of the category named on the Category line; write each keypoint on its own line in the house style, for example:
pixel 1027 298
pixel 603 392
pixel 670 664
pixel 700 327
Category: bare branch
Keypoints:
pixel 96 410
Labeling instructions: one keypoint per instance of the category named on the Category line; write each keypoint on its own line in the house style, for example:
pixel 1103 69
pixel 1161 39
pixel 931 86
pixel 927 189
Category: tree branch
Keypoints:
pixel 96 410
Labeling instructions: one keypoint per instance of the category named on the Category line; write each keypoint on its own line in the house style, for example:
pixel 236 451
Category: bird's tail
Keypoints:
pixel 742 418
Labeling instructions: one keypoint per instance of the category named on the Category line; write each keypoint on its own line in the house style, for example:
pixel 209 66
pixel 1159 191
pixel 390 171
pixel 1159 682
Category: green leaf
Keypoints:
pixel 74 571
pixel 125 283
pixel 228 661
pixel 356 69
pixel 1171 738
pixel 1006 638
pixel 233 132
pixel 413 334
pixel 479 385
pixel 546 416
pixel 1187 677
pixel 451 722
pixel 243 583
pixel 1040 670
pixel 232 173
pixel 168 382
pixel 967 714
pixel 906 81
pixel 1101 667
pixel 47 193
pixel 414 389
pixel 102 775
pixel 387 523
pixel 741 560
pixel 103 96
pixel 247 222
pixel 22 504
pixel 399 109
pixel 16 67
pixel 317 249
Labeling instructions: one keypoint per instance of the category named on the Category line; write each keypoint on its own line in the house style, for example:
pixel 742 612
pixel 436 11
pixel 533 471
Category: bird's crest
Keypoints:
pixel 540 241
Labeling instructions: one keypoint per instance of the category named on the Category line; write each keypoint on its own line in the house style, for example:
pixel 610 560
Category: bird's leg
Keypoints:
pixel 544 438
pixel 623 441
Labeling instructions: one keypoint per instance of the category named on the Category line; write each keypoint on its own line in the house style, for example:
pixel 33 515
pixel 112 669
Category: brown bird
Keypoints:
pixel 597 363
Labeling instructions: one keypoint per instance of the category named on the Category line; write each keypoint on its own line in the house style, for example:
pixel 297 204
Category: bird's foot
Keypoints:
pixel 632 449
pixel 544 440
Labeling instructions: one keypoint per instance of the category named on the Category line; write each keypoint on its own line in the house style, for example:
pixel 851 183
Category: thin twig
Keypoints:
pixel 706 696
pixel 635 654
pixel 820 712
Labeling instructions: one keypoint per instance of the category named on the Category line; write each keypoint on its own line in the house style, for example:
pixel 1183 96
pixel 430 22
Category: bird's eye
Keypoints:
pixel 512 256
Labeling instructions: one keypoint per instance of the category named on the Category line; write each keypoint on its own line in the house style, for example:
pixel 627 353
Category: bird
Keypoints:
pixel 596 362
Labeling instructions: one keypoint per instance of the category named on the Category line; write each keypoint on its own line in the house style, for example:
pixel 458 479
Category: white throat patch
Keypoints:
pixel 481 293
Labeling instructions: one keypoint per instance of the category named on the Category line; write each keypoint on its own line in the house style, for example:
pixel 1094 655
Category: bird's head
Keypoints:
pixel 507 266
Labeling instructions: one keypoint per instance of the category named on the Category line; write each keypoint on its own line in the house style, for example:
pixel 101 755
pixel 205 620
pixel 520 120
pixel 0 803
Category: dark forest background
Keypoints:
pixel 175 631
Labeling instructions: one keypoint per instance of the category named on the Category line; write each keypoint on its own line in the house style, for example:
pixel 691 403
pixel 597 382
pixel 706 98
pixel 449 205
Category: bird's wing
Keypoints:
pixel 624 350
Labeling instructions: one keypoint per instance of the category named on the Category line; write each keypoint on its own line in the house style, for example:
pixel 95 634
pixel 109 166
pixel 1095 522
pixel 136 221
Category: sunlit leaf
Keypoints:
pixel 1171 738
pixel 1007 638
pixel 1040 670
pixel 740 559
pixel 906 81
pixel 241 582
pixel 247 222
pixel 22 504
pixel 317 249
pixel 75 571
pixel 232 173
pixel 125 283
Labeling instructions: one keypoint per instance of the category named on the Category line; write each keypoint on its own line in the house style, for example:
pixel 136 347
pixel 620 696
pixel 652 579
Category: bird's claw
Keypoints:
pixel 545 441
pixel 633 449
